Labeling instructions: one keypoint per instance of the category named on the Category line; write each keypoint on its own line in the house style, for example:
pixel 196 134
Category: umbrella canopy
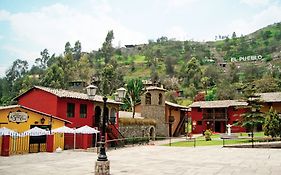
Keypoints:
pixel 63 129
pixel 35 132
pixel 6 131
pixel 86 130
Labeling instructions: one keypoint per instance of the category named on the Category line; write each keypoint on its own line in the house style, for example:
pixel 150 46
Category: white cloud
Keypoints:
pixel 176 32
pixel 4 15
pixel 180 3
pixel 255 2
pixel 2 71
pixel 52 26
pixel 245 26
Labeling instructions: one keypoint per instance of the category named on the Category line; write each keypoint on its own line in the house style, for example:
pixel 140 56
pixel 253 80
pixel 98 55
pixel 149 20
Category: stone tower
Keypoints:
pixel 153 106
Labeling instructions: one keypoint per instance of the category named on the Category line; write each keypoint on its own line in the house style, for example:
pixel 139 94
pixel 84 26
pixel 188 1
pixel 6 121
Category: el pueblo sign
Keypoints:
pixel 18 117
pixel 247 58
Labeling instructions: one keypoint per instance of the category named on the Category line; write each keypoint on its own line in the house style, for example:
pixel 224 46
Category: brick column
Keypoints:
pixel 84 141
pixel 5 146
pixel 50 143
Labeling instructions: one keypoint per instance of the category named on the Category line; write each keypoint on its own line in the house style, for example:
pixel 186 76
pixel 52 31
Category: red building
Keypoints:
pixel 215 115
pixel 76 107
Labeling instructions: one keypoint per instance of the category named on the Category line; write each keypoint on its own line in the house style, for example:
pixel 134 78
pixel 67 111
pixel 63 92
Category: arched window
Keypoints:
pixel 112 116
pixel 160 99
pixel 148 99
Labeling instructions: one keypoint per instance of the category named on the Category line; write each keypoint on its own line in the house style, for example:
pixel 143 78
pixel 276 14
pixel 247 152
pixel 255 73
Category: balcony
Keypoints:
pixel 214 116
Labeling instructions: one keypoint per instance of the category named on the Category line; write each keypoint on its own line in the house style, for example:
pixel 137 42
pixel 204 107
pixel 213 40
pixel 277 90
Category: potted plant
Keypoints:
pixel 208 134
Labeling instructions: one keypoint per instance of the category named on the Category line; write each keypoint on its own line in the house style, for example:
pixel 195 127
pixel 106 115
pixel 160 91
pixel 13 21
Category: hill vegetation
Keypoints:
pixel 220 68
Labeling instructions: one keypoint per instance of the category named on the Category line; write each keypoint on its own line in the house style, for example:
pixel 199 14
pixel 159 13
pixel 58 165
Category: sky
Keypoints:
pixel 27 27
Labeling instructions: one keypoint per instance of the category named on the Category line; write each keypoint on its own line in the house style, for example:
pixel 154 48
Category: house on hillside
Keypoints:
pixel 215 115
pixel 78 108
pixel 154 106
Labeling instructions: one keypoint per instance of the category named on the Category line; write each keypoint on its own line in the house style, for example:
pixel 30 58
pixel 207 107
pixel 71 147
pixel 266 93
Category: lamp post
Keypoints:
pixel 171 121
pixel 102 164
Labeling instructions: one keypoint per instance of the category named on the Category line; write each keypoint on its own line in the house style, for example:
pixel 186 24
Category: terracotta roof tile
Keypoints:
pixel 270 97
pixel 218 104
pixel 77 95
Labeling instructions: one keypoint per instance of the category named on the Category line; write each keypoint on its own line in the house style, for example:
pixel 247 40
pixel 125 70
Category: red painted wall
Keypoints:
pixel 51 104
pixel 40 100
pixel 197 116
pixel 233 115
pixel 77 121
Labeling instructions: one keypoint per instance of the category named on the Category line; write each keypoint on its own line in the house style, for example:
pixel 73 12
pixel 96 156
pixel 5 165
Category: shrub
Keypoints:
pixel 208 134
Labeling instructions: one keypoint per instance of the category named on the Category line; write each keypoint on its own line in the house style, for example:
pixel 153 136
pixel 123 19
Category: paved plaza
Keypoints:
pixel 149 160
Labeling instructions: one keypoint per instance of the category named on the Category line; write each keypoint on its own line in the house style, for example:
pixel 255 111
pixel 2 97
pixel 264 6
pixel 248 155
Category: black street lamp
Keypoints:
pixel 102 154
pixel 102 164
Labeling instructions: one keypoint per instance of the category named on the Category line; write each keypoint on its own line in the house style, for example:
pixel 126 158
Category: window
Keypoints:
pixel 112 116
pixel 70 110
pixel 199 122
pixel 148 99
pixel 83 110
pixel 160 99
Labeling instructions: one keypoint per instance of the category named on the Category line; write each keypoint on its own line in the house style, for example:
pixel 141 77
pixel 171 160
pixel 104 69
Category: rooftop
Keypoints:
pixel 217 104
pixel 71 94
pixel 270 97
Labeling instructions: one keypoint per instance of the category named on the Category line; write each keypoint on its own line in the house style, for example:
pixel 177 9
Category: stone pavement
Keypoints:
pixel 150 160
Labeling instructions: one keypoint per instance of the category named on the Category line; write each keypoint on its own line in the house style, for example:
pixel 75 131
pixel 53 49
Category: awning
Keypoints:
pixel 86 130
pixel 35 132
pixel 63 129
pixel 6 131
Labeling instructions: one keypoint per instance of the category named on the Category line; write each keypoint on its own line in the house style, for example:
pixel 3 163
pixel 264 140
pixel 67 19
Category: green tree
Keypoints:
pixel 67 49
pixel 253 117
pixel 77 50
pixel 42 62
pixel 191 73
pixel 107 49
pixel 54 77
pixel 272 124
pixel 18 69
pixel 134 91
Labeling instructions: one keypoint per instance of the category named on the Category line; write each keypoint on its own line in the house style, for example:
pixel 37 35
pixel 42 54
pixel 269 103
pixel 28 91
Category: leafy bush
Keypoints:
pixel 208 134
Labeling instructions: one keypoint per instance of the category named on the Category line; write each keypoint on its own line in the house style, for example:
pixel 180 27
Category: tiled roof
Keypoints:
pixel 270 97
pixel 33 110
pixel 71 94
pixel 155 88
pixel 175 105
pixel 217 104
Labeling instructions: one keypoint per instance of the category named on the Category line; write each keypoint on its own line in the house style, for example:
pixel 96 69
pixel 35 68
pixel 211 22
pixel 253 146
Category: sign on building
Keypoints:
pixel 18 117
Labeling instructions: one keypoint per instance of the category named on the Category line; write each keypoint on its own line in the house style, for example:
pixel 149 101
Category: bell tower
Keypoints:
pixel 153 107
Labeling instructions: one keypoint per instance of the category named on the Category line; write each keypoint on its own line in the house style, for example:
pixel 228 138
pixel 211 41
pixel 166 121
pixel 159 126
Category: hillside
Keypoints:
pixel 220 69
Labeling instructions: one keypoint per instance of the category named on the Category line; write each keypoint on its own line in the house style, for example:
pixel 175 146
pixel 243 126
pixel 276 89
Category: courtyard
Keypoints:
pixel 149 160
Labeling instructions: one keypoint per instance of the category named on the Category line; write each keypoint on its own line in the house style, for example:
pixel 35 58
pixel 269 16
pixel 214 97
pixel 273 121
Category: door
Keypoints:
pixel 217 126
pixel 38 143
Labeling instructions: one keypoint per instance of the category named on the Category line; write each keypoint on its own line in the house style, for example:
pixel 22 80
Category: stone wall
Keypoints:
pixel 155 110
pixel 130 131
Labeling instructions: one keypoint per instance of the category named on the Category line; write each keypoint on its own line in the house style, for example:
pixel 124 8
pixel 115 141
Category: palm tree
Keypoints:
pixel 134 91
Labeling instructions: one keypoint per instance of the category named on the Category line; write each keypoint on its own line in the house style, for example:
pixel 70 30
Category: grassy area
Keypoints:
pixel 200 141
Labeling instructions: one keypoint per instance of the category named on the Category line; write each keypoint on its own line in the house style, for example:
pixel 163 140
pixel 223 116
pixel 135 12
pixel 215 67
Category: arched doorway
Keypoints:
pixel 97 120
pixel 97 116
pixel 152 133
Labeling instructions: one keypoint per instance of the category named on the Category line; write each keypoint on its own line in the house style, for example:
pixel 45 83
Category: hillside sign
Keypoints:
pixel 246 58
